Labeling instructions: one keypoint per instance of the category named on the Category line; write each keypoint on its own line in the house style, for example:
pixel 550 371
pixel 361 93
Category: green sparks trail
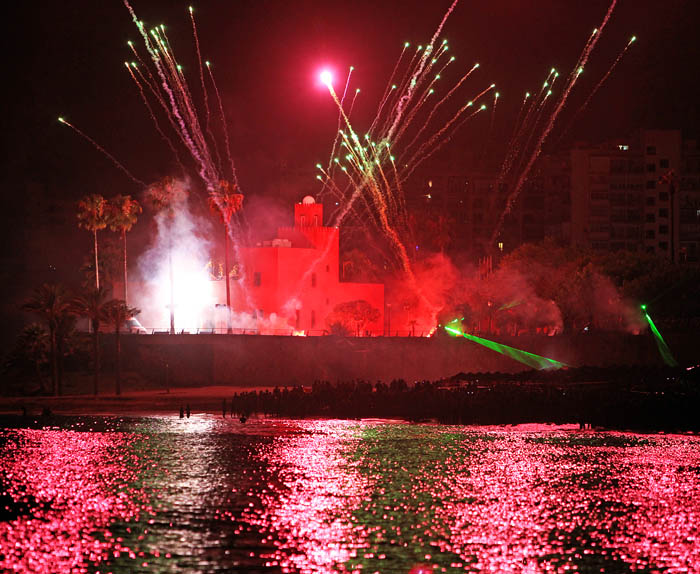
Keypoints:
pixel 530 359
pixel 664 349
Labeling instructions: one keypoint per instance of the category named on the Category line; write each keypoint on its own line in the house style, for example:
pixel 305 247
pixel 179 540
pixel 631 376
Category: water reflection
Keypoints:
pixel 212 495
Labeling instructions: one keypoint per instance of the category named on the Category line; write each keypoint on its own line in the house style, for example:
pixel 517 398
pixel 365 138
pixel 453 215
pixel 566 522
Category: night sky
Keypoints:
pixel 66 58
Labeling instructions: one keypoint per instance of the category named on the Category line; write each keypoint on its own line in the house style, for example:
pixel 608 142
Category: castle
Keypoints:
pixel 295 277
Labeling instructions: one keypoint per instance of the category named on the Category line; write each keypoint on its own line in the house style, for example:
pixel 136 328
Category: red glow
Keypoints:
pixel 326 77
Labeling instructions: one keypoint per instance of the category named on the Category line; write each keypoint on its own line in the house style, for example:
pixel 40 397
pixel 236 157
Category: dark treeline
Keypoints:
pixel 624 398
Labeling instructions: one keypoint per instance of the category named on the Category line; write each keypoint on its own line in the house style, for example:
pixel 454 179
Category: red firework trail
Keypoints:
pixel 507 159
pixel 435 108
pixel 598 86
pixel 403 101
pixel 416 160
pixel 224 125
pixel 516 145
pixel 492 121
pixel 340 121
pixel 172 98
pixel 165 138
pixel 207 113
pixel 103 151
pixel 388 89
pixel 524 146
pixel 550 124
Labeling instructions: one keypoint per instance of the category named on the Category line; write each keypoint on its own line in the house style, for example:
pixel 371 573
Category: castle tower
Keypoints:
pixel 308 213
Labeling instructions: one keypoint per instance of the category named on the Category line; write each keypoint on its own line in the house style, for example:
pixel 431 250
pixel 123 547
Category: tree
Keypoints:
pixel 91 305
pixel 30 354
pixel 123 212
pixel 163 196
pixel 117 312
pixel 51 303
pixel 93 217
pixel 226 201
pixel 357 314
pixel 110 264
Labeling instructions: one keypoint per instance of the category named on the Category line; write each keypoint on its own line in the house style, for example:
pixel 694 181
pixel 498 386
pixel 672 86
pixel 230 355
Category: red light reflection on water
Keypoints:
pixel 66 488
pixel 307 512
pixel 418 498
pixel 554 502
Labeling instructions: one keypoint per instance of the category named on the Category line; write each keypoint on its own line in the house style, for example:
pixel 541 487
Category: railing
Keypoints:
pixel 277 332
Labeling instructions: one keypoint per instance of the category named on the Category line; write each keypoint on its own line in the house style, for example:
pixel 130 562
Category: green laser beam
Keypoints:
pixel 664 350
pixel 510 305
pixel 530 359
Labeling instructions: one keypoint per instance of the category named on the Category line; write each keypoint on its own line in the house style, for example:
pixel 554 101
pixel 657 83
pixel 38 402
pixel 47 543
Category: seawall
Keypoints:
pixel 250 360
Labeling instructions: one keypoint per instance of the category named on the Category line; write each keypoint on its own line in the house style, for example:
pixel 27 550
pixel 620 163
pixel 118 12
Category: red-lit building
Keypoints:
pixel 294 278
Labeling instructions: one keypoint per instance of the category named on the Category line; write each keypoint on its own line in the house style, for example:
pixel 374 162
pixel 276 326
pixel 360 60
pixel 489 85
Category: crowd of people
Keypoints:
pixel 625 398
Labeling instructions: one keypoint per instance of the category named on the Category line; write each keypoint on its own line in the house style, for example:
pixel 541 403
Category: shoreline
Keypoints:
pixel 201 399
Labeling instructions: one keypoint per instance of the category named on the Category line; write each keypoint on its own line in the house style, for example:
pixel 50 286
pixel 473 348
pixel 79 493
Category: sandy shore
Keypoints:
pixel 134 403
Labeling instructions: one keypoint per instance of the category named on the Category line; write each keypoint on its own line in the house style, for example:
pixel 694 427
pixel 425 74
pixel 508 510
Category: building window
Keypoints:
pixel 651 150
pixel 663 163
pixel 651 200
pixel 663 245
pixel 651 167
pixel 651 184
pixel 316 220
pixel 650 218
pixel 663 212
pixel 663 229
pixel 302 220
pixel 257 279
pixel 663 196
pixel 313 279
pixel 650 234
pixel 651 249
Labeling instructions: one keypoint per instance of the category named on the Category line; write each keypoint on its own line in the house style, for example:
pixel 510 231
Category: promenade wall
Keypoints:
pixel 253 360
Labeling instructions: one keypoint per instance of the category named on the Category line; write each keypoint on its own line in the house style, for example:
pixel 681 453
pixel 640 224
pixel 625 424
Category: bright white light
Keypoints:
pixel 326 77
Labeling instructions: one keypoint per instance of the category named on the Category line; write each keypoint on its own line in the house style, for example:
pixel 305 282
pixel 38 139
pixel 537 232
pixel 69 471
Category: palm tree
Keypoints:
pixel 123 212
pixel 50 302
pixel 31 350
pixel 93 217
pixel 91 305
pixel 226 201
pixel 117 312
pixel 162 197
